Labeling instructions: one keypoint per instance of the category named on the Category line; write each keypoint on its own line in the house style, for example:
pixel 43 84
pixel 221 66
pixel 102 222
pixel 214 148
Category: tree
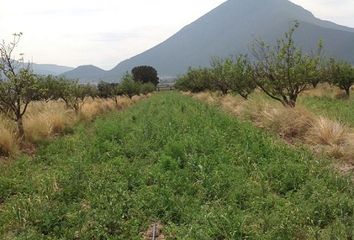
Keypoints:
pixel 196 80
pixel 320 62
pixel 128 86
pixel 283 71
pixel 221 70
pixel 74 94
pixel 342 75
pixel 241 76
pixel 109 90
pixel 18 85
pixel 145 74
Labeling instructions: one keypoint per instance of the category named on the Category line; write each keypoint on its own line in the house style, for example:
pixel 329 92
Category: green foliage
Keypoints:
pixel 145 74
pixel 70 91
pixel 128 86
pixel 233 75
pixel 283 71
pixel 146 88
pixel 200 172
pixel 341 75
pixel 107 90
pixel 18 85
pixel 196 80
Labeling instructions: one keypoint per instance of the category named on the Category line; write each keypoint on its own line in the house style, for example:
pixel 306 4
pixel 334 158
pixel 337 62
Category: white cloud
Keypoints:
pixel 338 11
pixel 75 32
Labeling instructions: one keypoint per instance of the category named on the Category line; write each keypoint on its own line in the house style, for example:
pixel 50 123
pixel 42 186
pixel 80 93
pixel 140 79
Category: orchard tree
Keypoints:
pixel 18 85
pixel 221 70
pixel 109 90
pixel 283 71
pixel 74 94
pixel 341 75
pixel 241 76
pixel 196 80
pixel 145 74
pixel 70 91
pixel 128 86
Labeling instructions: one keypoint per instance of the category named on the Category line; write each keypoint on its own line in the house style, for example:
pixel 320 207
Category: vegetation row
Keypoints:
pixel 282 71
pixel 21 90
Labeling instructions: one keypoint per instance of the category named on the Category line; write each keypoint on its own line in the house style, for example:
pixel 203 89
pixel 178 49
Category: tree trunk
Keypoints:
pixel 347 92
pixel 21 131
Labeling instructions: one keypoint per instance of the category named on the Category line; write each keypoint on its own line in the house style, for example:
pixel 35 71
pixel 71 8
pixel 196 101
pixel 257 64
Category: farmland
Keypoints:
pixel 197 171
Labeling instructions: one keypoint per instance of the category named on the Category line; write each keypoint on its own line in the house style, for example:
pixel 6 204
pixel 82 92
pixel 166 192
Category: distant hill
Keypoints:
pixel 86 74
pixel 49 69
pixel 230 29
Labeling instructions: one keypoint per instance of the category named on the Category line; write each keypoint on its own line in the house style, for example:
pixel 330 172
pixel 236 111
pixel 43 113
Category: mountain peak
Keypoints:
pixel 230 29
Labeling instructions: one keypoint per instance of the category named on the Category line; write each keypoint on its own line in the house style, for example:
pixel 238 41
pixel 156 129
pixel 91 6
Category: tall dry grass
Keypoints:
pixel 8 141
pixel 43 120
pixel 295 125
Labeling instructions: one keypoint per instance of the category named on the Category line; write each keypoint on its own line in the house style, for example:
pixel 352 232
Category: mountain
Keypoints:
pixel 230 29
pixel 86 74
pixel 49 69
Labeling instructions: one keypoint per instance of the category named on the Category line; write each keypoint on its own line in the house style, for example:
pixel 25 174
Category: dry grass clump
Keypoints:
pixel 232 104
pixel 327 132
pixel 93 108
pixel 349 148
pixel 8 141
pixel 288 123
pixel 206 97
pixel 123 102
pixel 44 120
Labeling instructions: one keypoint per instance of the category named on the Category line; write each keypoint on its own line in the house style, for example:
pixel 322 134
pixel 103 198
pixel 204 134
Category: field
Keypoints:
pixel 190 167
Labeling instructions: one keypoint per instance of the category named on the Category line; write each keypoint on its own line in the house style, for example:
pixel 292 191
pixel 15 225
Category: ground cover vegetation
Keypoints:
pixel 197 171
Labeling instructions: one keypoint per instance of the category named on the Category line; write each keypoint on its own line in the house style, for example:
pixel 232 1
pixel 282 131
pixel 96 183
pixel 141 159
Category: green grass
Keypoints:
pixel 337 109
pixel 200 172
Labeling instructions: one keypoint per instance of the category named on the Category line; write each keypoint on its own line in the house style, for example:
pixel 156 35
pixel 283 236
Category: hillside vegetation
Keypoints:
pixel 198 172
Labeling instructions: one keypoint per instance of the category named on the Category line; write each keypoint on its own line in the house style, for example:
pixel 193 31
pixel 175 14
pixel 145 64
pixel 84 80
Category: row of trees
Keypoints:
pixel 19 86
pixel 281 71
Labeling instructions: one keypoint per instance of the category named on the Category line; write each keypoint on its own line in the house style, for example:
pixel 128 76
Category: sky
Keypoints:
pixel 105 32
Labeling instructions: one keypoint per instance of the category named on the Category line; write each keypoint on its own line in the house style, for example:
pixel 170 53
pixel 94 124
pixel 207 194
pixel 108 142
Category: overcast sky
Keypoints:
pixel 105 32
